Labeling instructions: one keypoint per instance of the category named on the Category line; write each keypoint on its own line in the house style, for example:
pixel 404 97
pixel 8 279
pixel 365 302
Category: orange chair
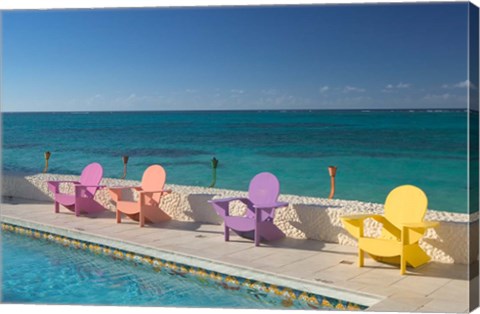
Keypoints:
pixel 146 208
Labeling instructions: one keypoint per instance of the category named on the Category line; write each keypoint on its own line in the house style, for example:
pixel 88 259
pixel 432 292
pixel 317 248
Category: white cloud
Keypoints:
pixel 349 89
pixel 324 89
pixel 134 100
pixel 236 93
pixel 132 97
pixel 399 85
pixel 282 101
pixel 348 102
pixel 462 84
pixel 269 91
pixel 97 99
pixel 444 96
pixel 444 100
pixel 403 85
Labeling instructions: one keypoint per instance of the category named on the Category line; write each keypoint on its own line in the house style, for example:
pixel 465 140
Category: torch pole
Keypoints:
pixel 125 162
pixel 47 157
pixel 214 172
pixel 332 171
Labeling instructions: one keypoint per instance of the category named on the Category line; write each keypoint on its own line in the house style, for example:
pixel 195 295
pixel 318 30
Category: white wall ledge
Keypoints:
pixel 304 218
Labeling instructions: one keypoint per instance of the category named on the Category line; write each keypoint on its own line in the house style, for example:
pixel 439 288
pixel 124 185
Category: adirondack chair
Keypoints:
pixel 82 200
pixel 403 227
pixel 261 204
pixel 145 209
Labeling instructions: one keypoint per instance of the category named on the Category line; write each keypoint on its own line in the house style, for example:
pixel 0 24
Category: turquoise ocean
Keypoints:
pixel 374 151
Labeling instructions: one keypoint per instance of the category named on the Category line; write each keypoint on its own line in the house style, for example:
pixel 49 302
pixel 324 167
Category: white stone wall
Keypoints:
pixel 304 218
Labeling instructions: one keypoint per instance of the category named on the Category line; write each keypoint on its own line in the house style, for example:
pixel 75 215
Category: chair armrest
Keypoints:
pixel 423 224
pixel 362 217
pixel 91 186
pixel 271 205
pixel 81 190
pixel 122 187
pixel 54 186
pixel 229 199
pixel 409 229
pixel 117 191
pixel 62 181
pixel 158 191
pixel 354 223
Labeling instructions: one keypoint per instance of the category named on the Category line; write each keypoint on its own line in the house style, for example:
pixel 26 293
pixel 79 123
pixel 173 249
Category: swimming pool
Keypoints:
pixel 36 270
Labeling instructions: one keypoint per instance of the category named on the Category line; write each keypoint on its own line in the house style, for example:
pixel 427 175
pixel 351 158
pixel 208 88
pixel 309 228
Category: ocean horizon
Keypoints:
pixel 433 109
pixel 375 150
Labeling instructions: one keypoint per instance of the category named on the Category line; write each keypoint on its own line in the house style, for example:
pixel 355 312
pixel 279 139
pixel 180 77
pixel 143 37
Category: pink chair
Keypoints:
pixel 261 205
pixel 82 200
pixel 150 193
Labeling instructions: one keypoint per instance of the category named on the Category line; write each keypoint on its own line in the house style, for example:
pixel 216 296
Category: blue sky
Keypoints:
pixel 310 57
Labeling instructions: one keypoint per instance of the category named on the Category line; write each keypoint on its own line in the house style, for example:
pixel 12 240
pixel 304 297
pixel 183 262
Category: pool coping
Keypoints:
pixel 359 298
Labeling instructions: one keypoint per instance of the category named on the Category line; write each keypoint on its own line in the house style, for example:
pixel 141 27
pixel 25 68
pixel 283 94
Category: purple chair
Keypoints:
pixel 82 201
pixel 261 204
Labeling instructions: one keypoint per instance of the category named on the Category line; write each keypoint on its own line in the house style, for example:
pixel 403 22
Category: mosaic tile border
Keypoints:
pixel 228 282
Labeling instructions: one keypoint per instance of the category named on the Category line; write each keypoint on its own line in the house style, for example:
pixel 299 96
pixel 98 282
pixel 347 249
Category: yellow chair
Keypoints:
pixel 403 226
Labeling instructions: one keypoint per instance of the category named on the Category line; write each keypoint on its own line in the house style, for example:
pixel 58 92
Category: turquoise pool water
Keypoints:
pixel 375 151
pixel 37 271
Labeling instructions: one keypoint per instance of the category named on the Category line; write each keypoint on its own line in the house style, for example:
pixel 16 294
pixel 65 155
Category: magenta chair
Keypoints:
pixel 82 200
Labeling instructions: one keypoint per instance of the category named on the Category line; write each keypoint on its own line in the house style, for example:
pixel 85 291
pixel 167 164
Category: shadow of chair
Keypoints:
pixel 316 223
pixel 200 210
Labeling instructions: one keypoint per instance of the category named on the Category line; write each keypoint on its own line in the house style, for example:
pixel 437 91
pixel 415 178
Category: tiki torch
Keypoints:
pixel 47 157
pixel 125 162
pixel 332 171
pixel 214 171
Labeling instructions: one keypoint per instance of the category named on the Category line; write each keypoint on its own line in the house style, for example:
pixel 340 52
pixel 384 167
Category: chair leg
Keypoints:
pixel 227 233
pixel 403 263
pixel 57 207
pixel 361 254
pixel 257 223
pixel 257 237
pixel 361 257
pixel 141 219
pixel 403 255
pixel 119 216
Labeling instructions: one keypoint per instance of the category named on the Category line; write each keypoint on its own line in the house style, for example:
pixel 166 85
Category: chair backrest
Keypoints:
pixel 404 204
pixel 154 180
pixel 92 174
pixel 264 189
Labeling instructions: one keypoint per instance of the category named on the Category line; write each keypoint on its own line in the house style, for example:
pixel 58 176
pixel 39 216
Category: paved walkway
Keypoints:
pixel 313 266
